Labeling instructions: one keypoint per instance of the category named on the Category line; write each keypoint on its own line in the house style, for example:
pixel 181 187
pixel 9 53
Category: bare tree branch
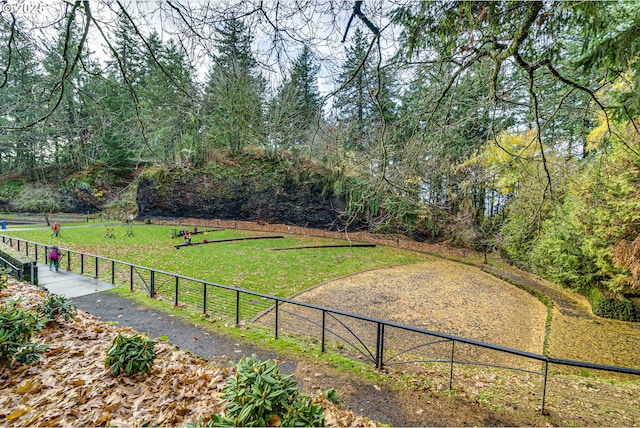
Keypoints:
pixel 69 67
pixel 10 42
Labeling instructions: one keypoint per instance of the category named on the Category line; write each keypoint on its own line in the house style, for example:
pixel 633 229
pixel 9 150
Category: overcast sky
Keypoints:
pixel 320 23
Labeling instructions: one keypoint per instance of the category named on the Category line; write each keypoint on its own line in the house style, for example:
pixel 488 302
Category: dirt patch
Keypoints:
pixel 461 300
pixel 437 295
pixel 567 304
pixel 575 332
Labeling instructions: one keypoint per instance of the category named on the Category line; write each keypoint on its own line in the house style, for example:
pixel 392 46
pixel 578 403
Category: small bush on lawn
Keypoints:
pixel 130 355
pixel 16 327
pixel 259 395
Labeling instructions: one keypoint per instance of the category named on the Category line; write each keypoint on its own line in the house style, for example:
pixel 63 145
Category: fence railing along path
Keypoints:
pixel 383 343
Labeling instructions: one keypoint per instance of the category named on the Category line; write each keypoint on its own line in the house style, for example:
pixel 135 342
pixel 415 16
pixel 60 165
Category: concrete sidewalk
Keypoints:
pixel 69 284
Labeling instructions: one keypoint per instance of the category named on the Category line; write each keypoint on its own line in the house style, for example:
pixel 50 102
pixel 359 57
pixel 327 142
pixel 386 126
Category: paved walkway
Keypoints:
pixel 69 284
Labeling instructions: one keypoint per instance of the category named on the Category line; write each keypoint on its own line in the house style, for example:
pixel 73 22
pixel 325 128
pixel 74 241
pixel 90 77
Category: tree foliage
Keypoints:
pixel 294 112
pixel 234 91
pixel 506 124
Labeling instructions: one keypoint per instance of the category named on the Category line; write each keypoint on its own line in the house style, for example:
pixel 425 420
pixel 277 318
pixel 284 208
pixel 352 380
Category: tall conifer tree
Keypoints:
pixel 234 91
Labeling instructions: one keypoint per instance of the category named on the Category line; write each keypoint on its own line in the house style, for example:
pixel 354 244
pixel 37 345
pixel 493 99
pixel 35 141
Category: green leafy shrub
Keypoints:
pixel 16 328
pixel 259 395
pixel 130 355
pixel 619 308
pixel 37 199
pixel 333 396
pixel 9 189
pixel 55 306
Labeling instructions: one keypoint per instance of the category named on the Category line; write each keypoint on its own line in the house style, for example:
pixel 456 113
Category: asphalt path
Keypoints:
pixel 92 296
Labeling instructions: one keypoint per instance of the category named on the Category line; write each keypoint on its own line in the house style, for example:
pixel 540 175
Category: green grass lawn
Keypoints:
pixel 247 264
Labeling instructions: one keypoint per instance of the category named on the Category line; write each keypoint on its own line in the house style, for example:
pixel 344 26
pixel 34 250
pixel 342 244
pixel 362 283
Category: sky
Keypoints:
pixel 322 23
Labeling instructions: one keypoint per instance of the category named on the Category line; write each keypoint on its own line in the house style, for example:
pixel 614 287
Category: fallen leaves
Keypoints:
pixel 70 386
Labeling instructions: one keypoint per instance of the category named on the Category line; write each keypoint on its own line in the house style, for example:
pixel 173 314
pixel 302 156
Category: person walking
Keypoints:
pixel 54 258
pixel 56 228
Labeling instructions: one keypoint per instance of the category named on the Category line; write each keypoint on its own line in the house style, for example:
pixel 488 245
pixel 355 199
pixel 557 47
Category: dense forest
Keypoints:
pixel 498 125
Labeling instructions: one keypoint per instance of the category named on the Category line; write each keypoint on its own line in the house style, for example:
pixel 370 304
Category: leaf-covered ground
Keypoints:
pixel 70 386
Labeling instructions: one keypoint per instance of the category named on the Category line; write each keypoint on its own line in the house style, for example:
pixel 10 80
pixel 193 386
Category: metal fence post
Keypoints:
pixel 453 348
pixel 113 272
pixel 324 316
pixel 131 277
pixel 176 291
pixel 237 307
pixel 81 263
pixel 379 345
pixel 204 299
pixel 544 386
pixel 277 318
pixel 96 277
pixel 152 283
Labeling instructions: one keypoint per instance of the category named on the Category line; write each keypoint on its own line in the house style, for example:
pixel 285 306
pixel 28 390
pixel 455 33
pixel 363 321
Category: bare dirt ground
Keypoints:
pixel 462 300
pixel 437 295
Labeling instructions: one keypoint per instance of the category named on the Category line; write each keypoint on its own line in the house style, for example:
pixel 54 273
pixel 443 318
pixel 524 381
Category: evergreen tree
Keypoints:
pixel 167 102
pixel 22 94
pixel 66 131
pixel 129 61
pixel 111 114
pixel 234 91
pixel 294 111
pixel 364 98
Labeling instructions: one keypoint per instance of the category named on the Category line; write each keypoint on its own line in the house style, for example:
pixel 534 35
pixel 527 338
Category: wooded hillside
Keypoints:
pixel 509 126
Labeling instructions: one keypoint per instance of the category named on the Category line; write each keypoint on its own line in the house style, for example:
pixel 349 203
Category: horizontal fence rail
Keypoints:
pixel 382 343
pixel 12 269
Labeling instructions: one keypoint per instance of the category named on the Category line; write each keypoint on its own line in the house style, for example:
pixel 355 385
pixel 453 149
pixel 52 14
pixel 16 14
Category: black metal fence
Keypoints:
pixel 383 343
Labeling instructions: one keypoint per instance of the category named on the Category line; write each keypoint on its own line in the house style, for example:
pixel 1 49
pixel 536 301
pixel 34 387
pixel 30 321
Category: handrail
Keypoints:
pixel 413 329
pixel 7 262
